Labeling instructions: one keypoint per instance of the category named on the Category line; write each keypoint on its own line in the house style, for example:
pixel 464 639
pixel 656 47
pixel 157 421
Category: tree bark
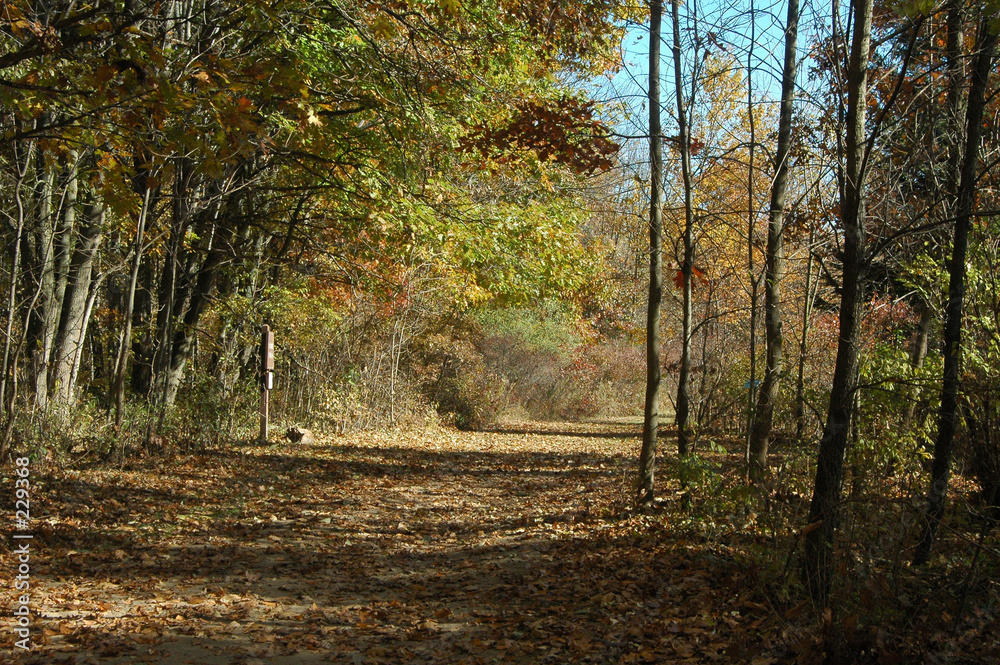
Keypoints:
pixel 683 404
pixel 170 297
pixel 183 339
pixel 72 319
pixel 760 434
pixel 15 269
pixel 825 506
pixel 44 316
pixel 810 294
pixel 125 347
pixel 95 289
pixel 965 206
pixel 65 235
pixel 59 234
pixel 751 227
pixel 918 353
pixel 143 349
pixel 651 412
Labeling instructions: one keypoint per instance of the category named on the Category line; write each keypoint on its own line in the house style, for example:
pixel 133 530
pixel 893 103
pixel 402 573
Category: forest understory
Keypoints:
pixel 517 545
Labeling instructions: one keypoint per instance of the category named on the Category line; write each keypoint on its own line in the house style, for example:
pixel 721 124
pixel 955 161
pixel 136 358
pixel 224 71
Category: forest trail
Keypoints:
pixel 434 546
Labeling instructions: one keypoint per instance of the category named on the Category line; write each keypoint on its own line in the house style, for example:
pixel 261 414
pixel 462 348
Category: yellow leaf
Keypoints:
pixel 383 28
pixel 450 7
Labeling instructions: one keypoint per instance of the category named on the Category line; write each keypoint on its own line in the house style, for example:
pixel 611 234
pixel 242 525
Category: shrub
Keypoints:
pixel 458 382
pixel 541 363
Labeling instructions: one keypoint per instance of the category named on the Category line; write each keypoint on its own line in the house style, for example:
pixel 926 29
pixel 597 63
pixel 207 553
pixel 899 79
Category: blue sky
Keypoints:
pixel 731 26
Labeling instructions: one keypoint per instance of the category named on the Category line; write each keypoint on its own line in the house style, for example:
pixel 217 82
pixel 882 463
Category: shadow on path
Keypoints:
pixel 437 547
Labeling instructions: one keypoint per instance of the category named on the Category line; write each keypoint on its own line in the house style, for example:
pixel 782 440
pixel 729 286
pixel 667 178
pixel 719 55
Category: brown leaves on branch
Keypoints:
pixel 570 26
pixel 697 274
pixel 562 131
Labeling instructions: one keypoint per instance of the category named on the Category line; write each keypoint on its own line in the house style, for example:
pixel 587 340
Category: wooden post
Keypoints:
pixel 263 414
pixel 266 376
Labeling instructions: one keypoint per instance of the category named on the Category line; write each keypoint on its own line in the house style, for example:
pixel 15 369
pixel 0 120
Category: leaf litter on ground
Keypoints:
pixel 430 546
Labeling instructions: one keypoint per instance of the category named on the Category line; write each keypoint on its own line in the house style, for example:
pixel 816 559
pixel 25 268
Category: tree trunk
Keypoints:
pixel 144 348
pixel 170 296
pixel 918 353
pixel 810 294
pixel 751 227
pixel 95 289
pixel 760 434
pixel 15 263
pixel 965 206
pixel 651 417
pixel 125 346
pixel 954 138
pixel 72 319
pixel 44 315
pixel 825 506
pixel 58 235
pixel 183 339
pixel 683 405
pixel 64 237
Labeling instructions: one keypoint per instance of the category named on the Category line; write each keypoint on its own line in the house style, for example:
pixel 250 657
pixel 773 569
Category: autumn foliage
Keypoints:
pixel 442 209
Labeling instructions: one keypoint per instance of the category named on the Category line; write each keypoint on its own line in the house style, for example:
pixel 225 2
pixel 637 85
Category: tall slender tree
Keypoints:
pixel 809 295
pixel 760 431
pixel 965 206
pixel 824 510
pixel 751 228
pixel 683 403
pixel 651 414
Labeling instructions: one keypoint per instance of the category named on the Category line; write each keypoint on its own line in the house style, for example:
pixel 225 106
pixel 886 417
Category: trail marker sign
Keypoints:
pixel 266 376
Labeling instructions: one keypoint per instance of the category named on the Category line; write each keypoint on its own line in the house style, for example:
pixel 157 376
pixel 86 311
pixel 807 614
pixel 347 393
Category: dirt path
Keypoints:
pixel 424 547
